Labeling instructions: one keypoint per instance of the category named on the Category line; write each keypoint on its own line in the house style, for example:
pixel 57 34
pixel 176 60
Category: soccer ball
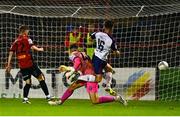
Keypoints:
pixel 163 65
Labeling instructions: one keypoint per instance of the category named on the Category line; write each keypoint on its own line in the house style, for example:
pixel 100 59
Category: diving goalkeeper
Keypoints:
pixel 82 63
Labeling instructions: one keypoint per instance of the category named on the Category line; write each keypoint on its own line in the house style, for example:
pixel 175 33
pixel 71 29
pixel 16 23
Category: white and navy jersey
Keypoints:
pixel 104 44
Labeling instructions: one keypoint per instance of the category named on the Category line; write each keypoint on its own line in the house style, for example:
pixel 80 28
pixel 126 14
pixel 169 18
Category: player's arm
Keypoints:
pixel 116 52
pixel 76 63
pixel 11 52
pixel 33 47
pixel 76 66
pixel 8 67
pixel 114 48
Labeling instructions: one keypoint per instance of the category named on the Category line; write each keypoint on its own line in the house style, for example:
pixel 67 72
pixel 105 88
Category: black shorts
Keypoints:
pixel 27 72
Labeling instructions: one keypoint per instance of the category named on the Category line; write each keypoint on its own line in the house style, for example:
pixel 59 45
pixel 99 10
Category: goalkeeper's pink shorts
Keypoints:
pixel 92 87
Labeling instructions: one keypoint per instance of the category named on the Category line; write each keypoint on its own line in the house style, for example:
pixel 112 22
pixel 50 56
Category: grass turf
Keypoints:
pixel 169 83
pixel 39 107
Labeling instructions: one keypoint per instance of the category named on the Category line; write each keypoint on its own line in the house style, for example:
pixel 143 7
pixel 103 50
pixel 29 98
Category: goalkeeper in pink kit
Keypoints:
pixel 82 63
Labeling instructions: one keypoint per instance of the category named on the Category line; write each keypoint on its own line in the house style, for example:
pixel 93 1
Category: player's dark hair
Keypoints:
pixel 108 24
pixel 74 46
pixel 23 28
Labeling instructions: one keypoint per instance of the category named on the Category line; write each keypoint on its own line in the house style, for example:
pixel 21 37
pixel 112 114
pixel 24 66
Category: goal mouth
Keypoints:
pixel 146 33
pixel 90 9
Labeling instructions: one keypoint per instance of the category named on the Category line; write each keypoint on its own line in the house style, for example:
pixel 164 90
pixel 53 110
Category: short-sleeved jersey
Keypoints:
pixel 104 43
pixel 21 46
pixel 82 62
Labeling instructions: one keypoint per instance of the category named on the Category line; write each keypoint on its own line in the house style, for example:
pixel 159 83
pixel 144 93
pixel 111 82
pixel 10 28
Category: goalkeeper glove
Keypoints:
pixel 64 68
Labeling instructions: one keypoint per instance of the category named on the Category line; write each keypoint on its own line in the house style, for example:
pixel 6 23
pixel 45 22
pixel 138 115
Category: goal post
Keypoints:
pixel 145 35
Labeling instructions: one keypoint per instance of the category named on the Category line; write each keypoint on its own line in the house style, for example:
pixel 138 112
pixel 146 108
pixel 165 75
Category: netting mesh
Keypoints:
pixel 90 8
pixel 144 40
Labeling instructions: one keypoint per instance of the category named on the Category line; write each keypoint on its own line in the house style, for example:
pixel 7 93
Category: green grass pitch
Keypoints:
pixel 40 107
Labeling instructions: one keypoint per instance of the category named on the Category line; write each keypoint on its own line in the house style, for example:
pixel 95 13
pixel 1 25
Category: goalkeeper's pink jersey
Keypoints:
pixel 82 62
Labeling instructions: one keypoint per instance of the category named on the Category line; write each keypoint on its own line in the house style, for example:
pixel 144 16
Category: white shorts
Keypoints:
pixel 88 78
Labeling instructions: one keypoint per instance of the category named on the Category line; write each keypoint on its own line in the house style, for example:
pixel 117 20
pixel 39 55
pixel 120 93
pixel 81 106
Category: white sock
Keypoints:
pixel 116 98
pixel 108 79
pixel 48 96
pixel 26 99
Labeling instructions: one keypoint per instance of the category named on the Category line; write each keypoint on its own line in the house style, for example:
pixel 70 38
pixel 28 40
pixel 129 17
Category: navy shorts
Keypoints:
pixel 98 64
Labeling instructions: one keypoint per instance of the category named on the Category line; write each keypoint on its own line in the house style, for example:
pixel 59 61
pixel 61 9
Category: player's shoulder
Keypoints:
pixel 97 33
pixel 110 36
pixel 30 41
pixel 104 34
pixel 107 36
pixel 21 38
pixel 100 33
pixel 81 55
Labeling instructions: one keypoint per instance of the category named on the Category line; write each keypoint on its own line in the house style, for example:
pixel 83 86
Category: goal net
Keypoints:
pixel 146 31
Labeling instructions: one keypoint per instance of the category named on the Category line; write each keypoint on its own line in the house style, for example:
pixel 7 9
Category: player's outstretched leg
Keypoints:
pixel 92 89
pixel 105 99
pixel 68 93
pixel 57 102
pixel 65 96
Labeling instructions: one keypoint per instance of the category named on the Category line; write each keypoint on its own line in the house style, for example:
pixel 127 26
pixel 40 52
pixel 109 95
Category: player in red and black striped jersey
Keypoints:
pixel 21 47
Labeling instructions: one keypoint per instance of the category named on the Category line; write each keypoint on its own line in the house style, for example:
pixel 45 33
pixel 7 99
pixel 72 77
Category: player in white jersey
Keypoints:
pixel 104 44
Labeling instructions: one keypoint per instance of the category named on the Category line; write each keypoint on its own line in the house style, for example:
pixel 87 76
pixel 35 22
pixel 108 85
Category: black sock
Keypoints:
pixel 44 87
pixel 26 90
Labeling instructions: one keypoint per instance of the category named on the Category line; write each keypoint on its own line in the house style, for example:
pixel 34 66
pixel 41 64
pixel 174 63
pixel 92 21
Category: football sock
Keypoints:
pixel 44 87
pixel 26 90
pixel 108 79
pixel 25 99
pixel 104 99
pixel 48 96
pixel 66 95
